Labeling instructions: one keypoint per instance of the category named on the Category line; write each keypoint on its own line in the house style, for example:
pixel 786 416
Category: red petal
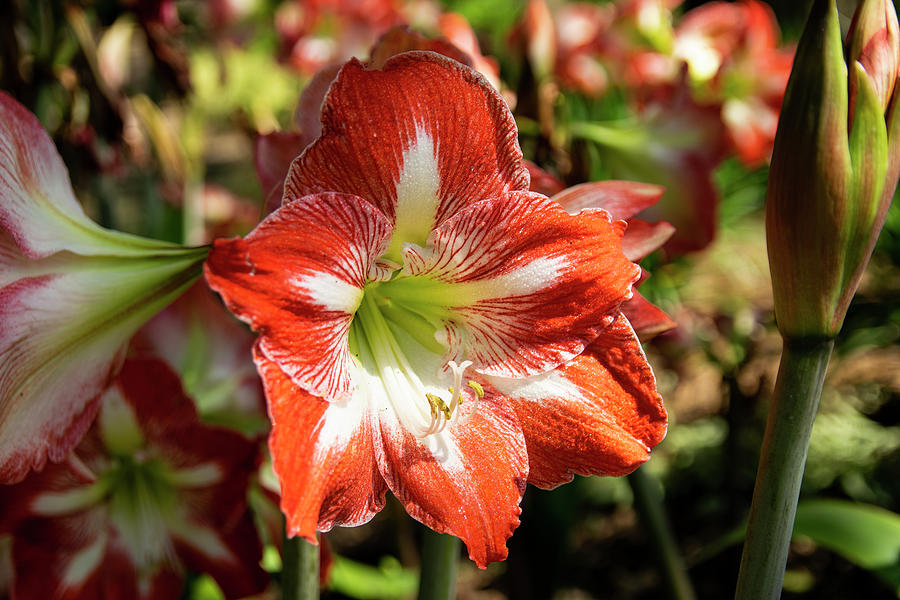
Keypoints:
pixel 530 284
pixel 598 415
pixel 455 130
pixel 323 456
pixel 41 569
pixel 297 280
pixel 646 319
pixel 641 238
pixel 468 482
pixel 621 199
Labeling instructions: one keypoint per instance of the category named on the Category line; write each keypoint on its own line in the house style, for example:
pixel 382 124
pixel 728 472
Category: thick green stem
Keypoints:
pixel 797 391
pixel 300 570
pixel 440 555
pixel 649 503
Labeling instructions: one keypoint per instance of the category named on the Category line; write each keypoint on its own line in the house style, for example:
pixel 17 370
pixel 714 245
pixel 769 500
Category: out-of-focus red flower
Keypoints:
pixel 212 352
pixel 677 144
pixel 734 59
pixel 148 493
pixel 429 326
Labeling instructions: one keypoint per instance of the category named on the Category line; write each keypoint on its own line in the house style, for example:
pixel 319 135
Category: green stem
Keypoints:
pixel 649 503
pixel 300 570
pixel 440 555
pixel 794 405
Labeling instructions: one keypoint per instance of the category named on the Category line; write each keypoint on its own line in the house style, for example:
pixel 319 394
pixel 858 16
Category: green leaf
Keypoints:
pixel 365 582
pixel 866 535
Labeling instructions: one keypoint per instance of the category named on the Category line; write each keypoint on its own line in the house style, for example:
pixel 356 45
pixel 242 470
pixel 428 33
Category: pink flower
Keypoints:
pixel 148 493
pixel 428 325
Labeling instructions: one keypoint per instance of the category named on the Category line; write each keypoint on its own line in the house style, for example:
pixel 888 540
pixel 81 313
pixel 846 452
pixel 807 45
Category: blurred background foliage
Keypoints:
pixel 156 114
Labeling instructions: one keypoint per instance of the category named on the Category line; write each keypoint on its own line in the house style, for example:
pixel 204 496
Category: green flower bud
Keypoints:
pixel 834 166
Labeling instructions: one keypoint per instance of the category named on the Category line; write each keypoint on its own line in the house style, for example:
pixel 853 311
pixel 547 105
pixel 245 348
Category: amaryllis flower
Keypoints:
pixel 71 295
pixel 148 493
pixel 427 324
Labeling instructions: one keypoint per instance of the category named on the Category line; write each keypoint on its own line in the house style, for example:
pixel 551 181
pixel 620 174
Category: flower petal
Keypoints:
pixel 323 456
pixel 600 414
pixel 298 278
pixel 641 238
pixel 647 319
pixel 74 568
pixel 527 285
pixel 37 205
pixel 467 480
pixel 419 139
pixel 621 199
pixel 62 332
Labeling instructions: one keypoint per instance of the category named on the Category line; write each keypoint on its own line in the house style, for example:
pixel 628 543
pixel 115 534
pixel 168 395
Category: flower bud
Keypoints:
pixel 834 166
pixel 874 42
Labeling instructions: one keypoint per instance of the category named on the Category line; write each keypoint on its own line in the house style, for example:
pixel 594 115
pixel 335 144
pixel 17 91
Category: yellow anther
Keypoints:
pixel 437 403
pixel 479 391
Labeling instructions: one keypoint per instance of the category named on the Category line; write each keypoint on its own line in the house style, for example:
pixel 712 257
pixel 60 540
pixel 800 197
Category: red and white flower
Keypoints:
pixel 427 324
pixel 71 295
pixel 148 493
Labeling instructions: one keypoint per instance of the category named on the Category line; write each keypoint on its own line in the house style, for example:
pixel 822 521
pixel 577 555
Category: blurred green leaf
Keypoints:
pixel 866 535
pixel 364 582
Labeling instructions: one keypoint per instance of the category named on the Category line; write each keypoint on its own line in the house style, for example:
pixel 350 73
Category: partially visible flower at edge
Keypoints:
pixel 148 493
pixel 429 326
pixel 71 295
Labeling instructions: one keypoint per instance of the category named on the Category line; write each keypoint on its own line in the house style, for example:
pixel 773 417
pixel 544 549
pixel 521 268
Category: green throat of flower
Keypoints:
pixel 396 339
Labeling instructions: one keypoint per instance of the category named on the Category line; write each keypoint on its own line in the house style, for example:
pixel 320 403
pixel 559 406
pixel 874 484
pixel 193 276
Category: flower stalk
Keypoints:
pixel 440 555
pixel 300 571
pixel 797 391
